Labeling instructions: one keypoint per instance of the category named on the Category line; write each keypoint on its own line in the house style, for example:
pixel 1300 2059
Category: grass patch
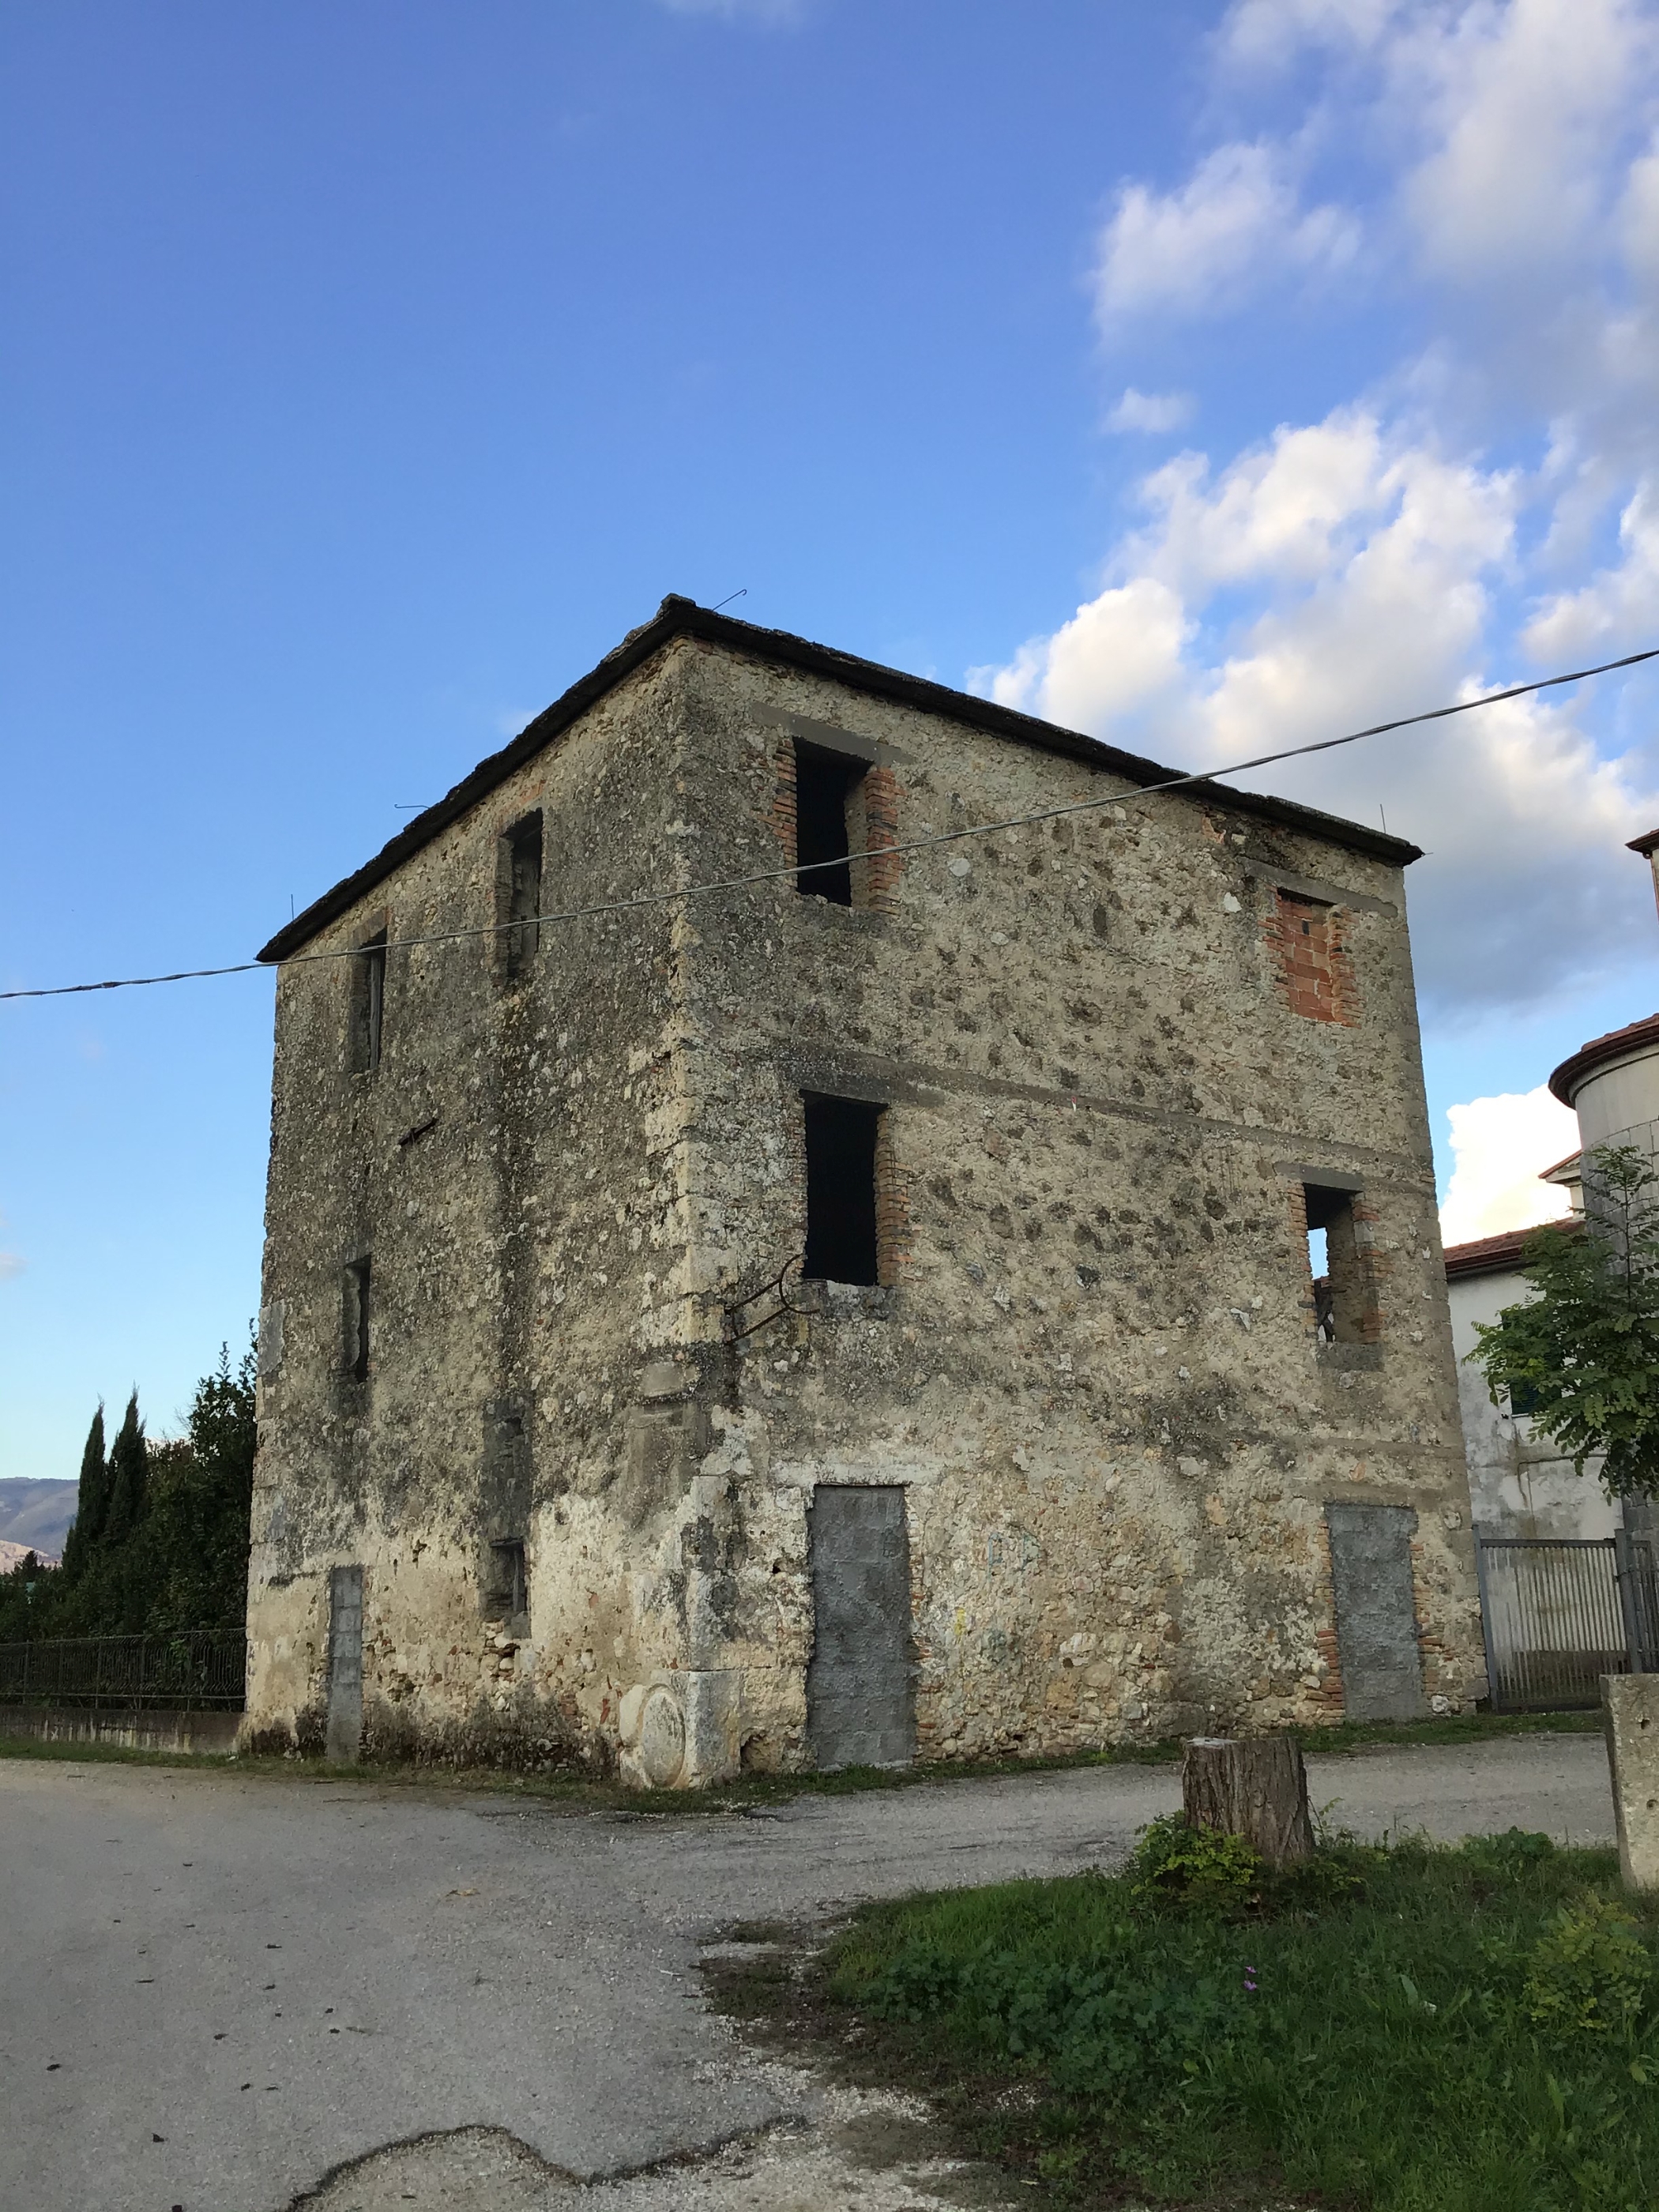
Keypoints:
pixel 111 1754
pixel 1450 1727
pixel 1416 2029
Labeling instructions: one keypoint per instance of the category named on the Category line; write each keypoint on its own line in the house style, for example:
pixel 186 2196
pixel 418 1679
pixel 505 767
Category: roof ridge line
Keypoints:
pixel 677 617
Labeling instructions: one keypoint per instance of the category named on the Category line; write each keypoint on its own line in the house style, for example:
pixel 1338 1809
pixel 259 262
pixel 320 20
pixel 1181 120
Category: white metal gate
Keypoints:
pixel 1559 1613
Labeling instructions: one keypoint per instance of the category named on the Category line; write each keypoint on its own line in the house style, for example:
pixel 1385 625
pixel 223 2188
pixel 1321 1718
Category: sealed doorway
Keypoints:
pixel 1376 1633
pixel 860 1693
pixel 346 1663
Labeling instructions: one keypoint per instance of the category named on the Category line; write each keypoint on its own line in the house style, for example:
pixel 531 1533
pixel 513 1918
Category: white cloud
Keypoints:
pixel 1487 146
pixel 1502 158
pixel 1366 553
pixel 11 1263
pixel 1638 216
pixel 1150 412
pixel 1286 510
pixel 1351 573
pixel 1264 35
pixel 1116 653
pixel 1202 249
pixel 1500 1146
pixel 1619 605
pixel 1525 106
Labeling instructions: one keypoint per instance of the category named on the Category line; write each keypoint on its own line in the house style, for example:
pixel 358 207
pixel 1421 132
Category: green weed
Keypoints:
pixel 1409 2030
pixel 1198 1868
pixel 1589 1973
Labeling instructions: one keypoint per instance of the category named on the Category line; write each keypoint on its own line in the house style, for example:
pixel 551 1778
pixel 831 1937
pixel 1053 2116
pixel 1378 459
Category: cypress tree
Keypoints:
pixel 91 1505
pixel 128 1478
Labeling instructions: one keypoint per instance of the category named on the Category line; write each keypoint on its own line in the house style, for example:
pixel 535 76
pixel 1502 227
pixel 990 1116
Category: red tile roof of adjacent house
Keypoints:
pixel 1644 845
pixel 1492 1255
pixel 1486 1255
pixel 1589 1057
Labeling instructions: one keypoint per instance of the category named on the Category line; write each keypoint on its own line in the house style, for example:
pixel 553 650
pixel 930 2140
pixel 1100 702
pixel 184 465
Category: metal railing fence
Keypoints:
pixel 1559 1613
pixel 204 1668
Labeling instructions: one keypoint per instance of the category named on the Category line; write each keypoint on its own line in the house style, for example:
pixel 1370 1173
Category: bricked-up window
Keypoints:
pixel 825 785
pixel 357 1277
pixel 508 1591
pixel 1339 1261
pixel 368 1003
pixel 841 1243
pixel 1315 976
pixel 518 884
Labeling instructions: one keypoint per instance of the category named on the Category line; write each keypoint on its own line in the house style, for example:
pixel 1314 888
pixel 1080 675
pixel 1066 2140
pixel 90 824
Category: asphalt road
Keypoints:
pixel 215 1989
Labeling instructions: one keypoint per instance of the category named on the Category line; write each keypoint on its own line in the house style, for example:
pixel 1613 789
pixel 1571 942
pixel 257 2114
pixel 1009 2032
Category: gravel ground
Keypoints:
pixel 236 1993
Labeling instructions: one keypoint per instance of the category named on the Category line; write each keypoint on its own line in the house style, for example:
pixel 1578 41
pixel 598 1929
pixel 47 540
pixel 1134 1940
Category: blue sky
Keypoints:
pixel 1207 376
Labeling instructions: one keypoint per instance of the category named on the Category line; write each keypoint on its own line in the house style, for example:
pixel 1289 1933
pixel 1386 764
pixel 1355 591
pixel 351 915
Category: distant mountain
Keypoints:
pixel 13 1555
pixel 36 1515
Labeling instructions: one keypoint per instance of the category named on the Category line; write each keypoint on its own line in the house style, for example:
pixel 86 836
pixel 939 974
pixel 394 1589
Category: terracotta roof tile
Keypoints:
pixel 1490 1255
pixel 1589 1056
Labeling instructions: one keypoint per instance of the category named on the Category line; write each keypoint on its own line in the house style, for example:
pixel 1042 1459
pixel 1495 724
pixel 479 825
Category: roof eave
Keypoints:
pixel 1618 1044
pixel 678 618
pixel 1505 1254
pixel 1489 1263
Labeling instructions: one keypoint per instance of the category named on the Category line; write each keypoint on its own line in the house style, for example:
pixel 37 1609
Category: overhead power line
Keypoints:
pixel 873 853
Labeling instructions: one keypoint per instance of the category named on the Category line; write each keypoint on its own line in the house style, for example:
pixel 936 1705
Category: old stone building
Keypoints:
pixel 860 1316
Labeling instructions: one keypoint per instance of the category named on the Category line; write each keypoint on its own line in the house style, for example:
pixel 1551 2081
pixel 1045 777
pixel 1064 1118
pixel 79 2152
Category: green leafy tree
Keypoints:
pixel 1581 1356
pixel 91 1504
pixel 200 1503
pixel 129 1479
pixel 171 1550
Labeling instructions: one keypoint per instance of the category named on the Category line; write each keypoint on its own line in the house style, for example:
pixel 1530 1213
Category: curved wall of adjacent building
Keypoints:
pixel 1617 1103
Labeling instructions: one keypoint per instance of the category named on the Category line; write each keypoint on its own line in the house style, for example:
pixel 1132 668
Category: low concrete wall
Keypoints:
pixel 1630 1704
pixel 148 1731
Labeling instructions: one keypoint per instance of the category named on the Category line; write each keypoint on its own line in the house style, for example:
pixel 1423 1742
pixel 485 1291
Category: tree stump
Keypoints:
pixel 1256 1788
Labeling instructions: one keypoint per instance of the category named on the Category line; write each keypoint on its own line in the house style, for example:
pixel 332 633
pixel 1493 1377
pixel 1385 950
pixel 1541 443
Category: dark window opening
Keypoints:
pixel 823 784
pixel 357 1320
pixel 841 1190
pixel 1525 1399
pixel 367 1004
pixel 1344 1307
pixel 508 1589
pixel 521 894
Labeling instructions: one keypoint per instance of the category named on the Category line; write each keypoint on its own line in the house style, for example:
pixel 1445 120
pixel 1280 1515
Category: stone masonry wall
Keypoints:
pixel 1090 1359
pixel 510 1169
pixel 1092 1362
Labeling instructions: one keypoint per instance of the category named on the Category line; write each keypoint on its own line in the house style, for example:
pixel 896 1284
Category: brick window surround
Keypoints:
pixel 886 1234
pixel 1314 972
pixel 1345 1307
pixel 873 819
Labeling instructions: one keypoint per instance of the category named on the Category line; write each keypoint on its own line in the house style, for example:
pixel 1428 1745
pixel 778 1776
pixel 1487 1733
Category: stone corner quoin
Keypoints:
pixel 862 1322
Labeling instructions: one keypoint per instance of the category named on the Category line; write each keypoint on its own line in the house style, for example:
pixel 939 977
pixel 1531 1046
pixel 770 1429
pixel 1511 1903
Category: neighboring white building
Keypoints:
pixel 1612 1084
pixel 1518 1484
